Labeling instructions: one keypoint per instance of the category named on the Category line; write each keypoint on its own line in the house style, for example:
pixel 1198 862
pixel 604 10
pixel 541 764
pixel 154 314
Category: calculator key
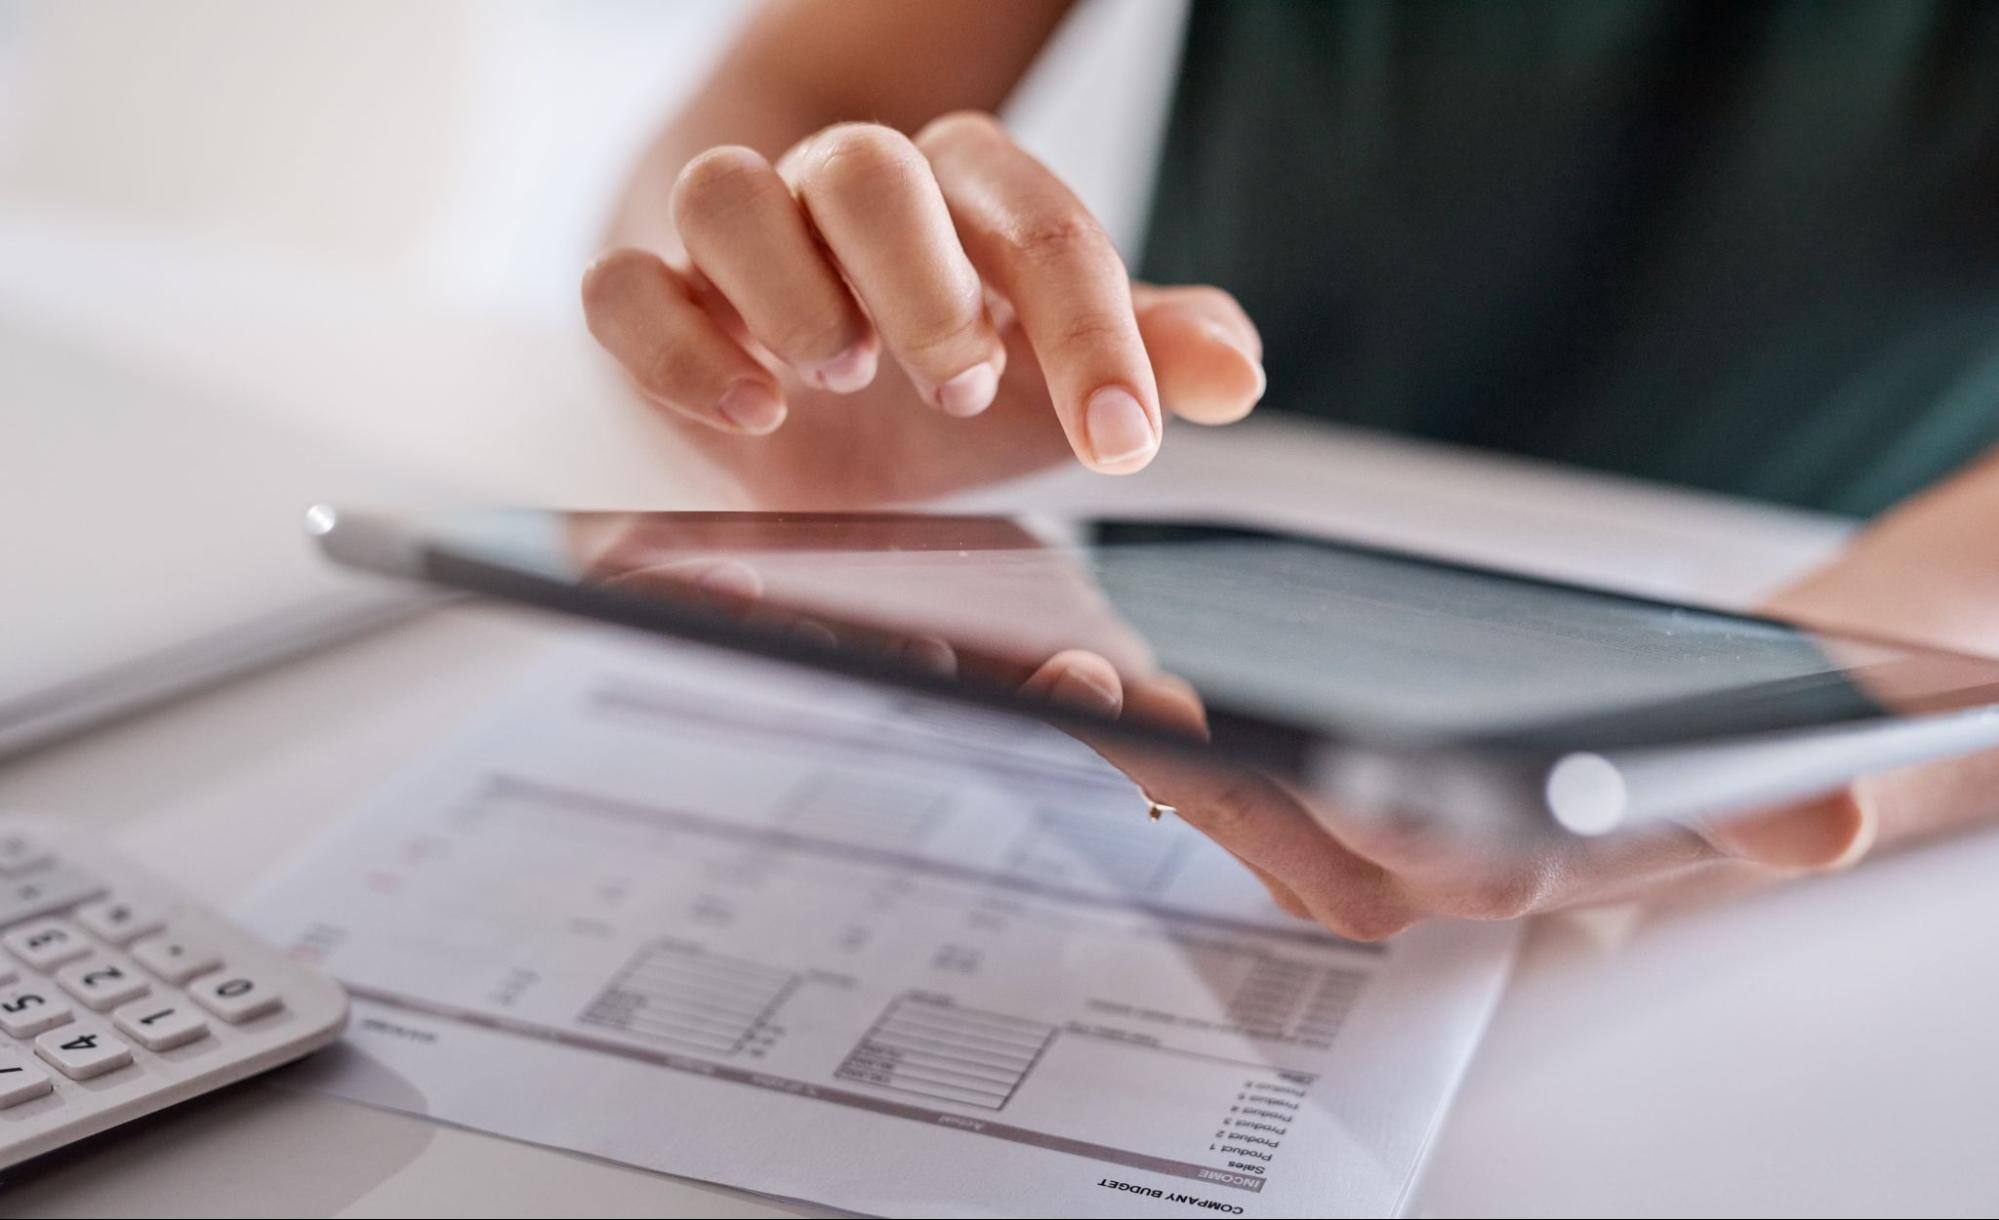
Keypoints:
pixel 81 1053
pixel 47 943
pixel 119 921
pixel 20 854
pixel 21 1081
pixel 235 997
pixel 43 891
pixel 8 974
pixel 174 959
pixel 27 1011
pixel 102 982
pixel 160 1023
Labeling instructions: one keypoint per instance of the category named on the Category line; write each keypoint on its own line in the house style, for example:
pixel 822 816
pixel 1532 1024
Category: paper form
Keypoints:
pixel 722 919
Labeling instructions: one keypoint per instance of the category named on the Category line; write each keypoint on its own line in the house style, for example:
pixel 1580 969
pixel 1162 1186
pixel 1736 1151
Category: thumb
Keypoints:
pixel 1827 833
pixel 1205 352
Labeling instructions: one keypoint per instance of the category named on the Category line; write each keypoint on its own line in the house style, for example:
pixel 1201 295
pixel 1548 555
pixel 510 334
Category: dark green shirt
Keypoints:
pixel 1748 247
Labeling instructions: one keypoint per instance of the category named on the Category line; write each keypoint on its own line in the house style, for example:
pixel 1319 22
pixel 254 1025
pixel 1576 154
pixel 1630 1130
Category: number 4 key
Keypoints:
pixel 81 1053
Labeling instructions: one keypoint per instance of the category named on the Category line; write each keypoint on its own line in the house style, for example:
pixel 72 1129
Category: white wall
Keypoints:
pixel 473 145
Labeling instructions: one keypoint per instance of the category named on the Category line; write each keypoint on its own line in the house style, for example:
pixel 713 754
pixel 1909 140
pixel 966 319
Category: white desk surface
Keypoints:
pixel 1826 1047
pixel 1822 1048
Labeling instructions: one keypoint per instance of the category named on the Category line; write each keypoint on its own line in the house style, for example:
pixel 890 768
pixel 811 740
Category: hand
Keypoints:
pixel 1368 873
pixel 1012 330
pixel 1923 573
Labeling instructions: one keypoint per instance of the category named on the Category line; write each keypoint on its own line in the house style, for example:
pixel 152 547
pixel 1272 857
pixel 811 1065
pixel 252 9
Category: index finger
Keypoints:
pixel 1031 238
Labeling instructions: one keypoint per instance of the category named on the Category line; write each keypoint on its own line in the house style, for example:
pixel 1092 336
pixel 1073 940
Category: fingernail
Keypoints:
pixel 1075 690
pixel 1118 428
pixel 926 652
pixel 970 392
pixel 847 373
pixel 817 634
pixel 752 406
pixel 725 577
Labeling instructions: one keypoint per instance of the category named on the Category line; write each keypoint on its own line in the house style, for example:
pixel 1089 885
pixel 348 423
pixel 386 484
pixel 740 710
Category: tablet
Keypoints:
pixel 1422 689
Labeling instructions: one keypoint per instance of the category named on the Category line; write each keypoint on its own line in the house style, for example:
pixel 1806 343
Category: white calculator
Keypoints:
pixel 119 996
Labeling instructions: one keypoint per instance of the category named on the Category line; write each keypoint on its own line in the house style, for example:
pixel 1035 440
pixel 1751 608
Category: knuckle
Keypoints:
pixel 672 368
pixel 717 183
pixel 863 159
pixel 1235 805
pixel 1090 330
pixel 1061 235
pixel 1394 837
pixel 810 333
pixel 1503 895
pixel 942 328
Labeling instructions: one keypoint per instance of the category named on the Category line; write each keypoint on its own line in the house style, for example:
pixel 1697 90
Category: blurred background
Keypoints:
pixel 465 151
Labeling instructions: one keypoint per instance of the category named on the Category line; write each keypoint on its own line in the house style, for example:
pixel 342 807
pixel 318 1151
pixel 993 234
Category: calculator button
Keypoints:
pixel 119 921
pixel 20 854
pixel 21 1080
pixel 102 982
pixel 160 1024
pixel 8 974
pixel 174 959
pixel 47 943
pixel 235 997
pixel 80 1053
pixel 38 893
pixel 27 1011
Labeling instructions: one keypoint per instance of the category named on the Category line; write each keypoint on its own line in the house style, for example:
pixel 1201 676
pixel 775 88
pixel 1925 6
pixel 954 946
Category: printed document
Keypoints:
pixel 819 940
